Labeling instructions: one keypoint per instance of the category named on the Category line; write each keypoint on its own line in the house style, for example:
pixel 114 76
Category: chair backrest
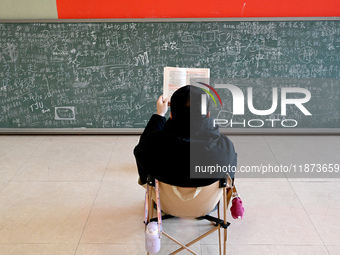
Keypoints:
pixel 188 202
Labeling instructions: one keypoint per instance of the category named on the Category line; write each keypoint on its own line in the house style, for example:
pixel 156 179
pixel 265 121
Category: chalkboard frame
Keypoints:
pixel 137 131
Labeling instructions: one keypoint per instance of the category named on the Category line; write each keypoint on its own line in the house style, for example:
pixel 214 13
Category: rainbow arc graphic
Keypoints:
pixel 210 94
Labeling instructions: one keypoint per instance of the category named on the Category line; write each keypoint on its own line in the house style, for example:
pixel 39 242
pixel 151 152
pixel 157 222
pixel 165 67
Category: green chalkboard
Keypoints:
pixel 108 75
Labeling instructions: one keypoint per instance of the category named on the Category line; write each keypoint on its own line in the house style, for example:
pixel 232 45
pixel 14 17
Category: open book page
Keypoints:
pixel 175 77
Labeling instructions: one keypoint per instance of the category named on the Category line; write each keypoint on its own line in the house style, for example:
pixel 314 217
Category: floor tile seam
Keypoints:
pixel 94 200
pixel 87 219
pixel 108 161
pixel 310 180
pixel 329 253
pixel 59 243
pixel 24 163
pixel 305 210
pixel 295 180
pixel 82 142
pixel 65 181
pixel 295 192
pixel 110 243
pixel 4 186
pixel 272 152
pixel 271 244
pixel 202 244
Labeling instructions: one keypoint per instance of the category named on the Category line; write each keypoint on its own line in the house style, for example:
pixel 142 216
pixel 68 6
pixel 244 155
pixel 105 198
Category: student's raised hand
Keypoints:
pixel 162 105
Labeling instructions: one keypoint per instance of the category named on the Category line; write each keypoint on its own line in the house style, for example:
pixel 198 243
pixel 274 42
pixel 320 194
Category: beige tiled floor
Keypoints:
pixel 78 195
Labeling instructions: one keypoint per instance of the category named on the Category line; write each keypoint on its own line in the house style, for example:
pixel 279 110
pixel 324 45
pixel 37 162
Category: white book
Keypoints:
pixel 176 77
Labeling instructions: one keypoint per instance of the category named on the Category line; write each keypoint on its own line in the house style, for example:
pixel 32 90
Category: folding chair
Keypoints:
pixel 194 203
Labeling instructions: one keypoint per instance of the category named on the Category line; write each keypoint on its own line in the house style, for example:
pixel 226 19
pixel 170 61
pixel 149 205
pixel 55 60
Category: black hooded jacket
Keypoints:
pixel 168 152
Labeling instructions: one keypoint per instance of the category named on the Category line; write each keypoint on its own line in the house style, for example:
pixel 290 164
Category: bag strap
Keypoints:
pixel 158 203
pixel 159 211
pixel 178 193
pixel 146 204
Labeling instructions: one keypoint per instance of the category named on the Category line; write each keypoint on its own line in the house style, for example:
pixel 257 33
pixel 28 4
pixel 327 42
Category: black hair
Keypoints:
pixel 186 104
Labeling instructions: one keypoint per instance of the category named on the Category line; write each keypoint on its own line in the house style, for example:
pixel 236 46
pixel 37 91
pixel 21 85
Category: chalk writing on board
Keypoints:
pixel 65 113
pixel 109 75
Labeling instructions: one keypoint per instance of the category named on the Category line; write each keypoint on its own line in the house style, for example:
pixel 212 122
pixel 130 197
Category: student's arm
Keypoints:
pixel 162 105
pixel 141 151
pixel 157 121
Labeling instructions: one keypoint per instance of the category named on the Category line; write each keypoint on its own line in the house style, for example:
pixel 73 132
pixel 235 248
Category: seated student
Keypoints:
pixel 165 146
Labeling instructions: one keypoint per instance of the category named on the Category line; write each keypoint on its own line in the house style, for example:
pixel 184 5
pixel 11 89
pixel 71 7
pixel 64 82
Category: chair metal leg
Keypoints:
pixel 219 230
pixel 225 220
pixel 150 208
pixel 151 205
pixel 217 222
pixel 193 241
pixel 179 243
pixel 218 227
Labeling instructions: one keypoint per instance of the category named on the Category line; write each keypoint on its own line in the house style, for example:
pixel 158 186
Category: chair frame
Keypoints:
pixel 218 223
